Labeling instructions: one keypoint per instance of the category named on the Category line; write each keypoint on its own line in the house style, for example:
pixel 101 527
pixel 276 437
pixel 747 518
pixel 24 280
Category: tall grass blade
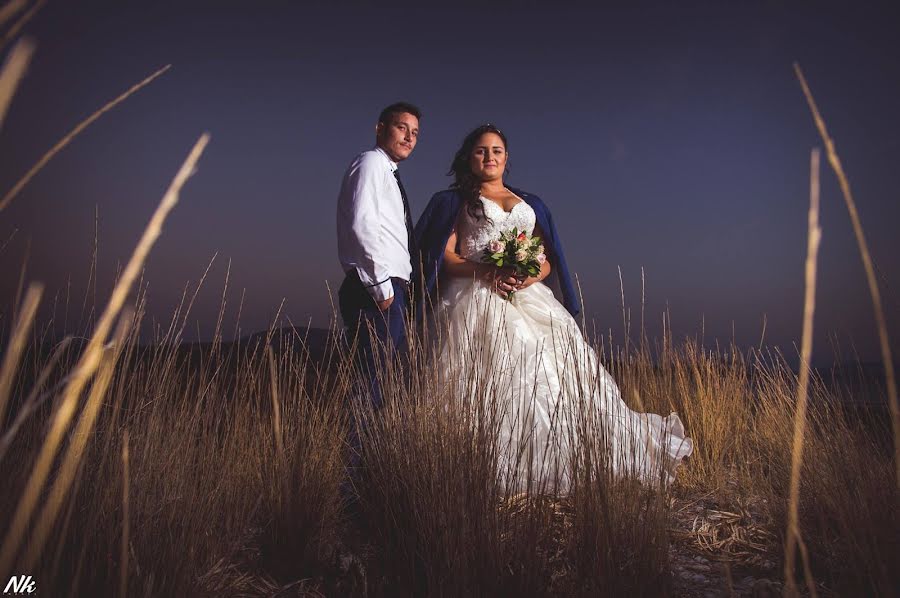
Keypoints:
pixel 35 397
pixel 8 10
pixel 71 460
pixel 90 361
pixel 792 536
pixel 886 356
pixel 13 31
pixel 11 74
pixel 17 342
pixel 123 556
pixel 8 197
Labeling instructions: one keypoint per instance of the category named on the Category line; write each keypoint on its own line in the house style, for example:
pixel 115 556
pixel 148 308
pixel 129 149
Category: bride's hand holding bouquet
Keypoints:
pixel 517 257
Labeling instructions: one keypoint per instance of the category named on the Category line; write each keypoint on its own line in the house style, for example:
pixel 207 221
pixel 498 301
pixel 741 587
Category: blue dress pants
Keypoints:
pixel 380 336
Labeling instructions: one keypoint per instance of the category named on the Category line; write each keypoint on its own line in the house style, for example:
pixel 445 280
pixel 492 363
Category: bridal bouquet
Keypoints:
pixel 517 250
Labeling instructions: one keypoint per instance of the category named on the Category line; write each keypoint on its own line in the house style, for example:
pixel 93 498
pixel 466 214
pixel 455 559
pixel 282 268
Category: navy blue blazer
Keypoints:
pixel 436 224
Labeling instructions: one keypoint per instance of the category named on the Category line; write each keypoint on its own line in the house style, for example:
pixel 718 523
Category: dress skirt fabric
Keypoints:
pixel 554 403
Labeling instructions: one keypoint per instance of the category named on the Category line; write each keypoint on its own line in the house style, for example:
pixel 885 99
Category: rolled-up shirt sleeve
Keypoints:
pixel 365 179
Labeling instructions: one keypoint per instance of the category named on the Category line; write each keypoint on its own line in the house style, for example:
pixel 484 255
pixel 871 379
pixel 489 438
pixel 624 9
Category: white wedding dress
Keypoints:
pixel 552 401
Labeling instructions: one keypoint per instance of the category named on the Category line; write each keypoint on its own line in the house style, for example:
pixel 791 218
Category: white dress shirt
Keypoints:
pixel 371 224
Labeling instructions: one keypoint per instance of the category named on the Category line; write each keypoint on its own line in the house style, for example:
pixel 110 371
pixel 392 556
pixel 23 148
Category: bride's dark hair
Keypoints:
pixel 467 183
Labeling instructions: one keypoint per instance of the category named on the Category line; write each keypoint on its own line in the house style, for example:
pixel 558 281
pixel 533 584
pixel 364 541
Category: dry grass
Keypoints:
pixel 794 539
pixel 9 10
pixel 15 75
pixel 877 305
pixel 89 361
pixel 236 459
pixel 12 72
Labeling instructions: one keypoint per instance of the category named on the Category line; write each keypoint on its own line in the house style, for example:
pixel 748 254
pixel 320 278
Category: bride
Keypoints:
pixel 507 336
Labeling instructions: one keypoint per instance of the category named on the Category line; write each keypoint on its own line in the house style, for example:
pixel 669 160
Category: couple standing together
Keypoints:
pixel 530 347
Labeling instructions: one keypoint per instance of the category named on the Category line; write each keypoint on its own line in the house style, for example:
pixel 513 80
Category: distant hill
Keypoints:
pixel 862 382
pixel 314 340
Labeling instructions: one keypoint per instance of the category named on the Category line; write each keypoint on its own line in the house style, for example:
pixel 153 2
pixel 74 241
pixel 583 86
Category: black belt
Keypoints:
pixel 353 277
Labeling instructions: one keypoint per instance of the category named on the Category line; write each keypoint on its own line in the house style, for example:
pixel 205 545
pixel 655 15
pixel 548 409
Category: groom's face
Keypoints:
pixel 398 137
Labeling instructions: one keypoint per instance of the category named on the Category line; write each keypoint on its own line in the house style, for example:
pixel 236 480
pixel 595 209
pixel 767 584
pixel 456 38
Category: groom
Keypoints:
pixel 375 242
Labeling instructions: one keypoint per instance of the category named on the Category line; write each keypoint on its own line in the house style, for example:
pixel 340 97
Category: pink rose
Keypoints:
pixel 495 246
pixel 521 255
pixel 541 258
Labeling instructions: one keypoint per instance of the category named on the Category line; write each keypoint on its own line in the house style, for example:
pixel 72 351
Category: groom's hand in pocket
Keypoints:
pixel 384 305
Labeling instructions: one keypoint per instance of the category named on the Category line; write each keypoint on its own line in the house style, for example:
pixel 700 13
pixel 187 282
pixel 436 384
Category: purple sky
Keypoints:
pixel 673 139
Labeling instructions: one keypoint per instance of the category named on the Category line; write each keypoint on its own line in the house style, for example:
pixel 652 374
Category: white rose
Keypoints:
pixel 521 255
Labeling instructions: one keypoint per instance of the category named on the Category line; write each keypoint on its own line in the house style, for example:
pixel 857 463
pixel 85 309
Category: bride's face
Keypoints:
pixel 488 159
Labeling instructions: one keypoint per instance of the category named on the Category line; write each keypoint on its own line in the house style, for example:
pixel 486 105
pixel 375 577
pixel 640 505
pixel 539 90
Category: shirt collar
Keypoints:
pixel 392 164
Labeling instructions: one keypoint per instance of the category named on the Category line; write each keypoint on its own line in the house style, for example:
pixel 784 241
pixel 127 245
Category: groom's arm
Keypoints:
pixel 367 230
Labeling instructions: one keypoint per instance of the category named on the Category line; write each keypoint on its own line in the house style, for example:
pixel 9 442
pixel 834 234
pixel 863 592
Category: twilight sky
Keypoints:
pixel 670 138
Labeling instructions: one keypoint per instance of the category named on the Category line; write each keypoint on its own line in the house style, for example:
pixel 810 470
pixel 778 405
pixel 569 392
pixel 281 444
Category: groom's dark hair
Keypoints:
pixel 398 108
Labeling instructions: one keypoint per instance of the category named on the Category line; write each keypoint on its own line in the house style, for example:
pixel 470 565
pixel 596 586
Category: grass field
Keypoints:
pixel 221 467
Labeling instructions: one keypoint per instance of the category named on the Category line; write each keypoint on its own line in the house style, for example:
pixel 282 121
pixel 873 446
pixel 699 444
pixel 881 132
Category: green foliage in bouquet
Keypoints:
pixel 517 250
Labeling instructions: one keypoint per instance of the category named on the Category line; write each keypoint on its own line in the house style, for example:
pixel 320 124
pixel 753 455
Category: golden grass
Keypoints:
pixel 9 10
pixel 123 555
pixel 17 342
pixel 84 370
pixel 793 536
pixel 217 504
pixel 884 342
pixel 11 74
pixel 62 143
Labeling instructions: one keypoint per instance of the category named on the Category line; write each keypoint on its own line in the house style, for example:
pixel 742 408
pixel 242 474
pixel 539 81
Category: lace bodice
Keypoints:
pixel 474 235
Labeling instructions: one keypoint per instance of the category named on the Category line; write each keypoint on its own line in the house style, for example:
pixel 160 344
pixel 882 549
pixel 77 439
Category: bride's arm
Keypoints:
pixel 545 267
pixel 457 265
